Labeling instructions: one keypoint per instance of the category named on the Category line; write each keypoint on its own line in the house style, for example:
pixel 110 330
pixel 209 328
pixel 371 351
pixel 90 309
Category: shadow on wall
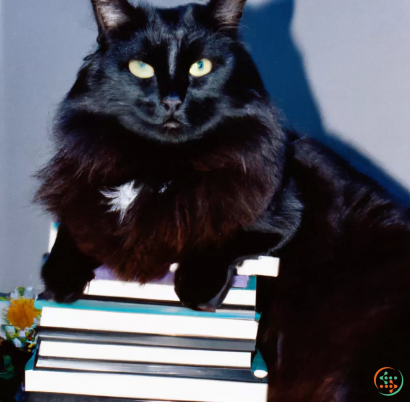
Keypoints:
pixel 267 30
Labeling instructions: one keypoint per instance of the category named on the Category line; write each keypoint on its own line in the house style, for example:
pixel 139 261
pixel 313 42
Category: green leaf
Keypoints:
pixel 9 372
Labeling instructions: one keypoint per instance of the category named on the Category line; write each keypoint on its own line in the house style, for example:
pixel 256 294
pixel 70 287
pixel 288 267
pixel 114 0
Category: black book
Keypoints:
pixel 121 338
pixel 149 369
pixel 46 397
pixel 152 382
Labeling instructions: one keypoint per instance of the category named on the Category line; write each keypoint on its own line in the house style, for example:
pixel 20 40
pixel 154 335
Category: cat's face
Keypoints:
pixel 168 74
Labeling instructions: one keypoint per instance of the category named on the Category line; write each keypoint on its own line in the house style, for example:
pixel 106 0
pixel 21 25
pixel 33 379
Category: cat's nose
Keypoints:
pixel 172 103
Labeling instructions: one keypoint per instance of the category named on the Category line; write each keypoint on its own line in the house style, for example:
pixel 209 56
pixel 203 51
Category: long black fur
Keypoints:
pixel 226 183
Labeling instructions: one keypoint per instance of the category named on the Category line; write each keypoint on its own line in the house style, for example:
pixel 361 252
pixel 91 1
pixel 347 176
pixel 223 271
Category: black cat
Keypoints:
pixel 168 150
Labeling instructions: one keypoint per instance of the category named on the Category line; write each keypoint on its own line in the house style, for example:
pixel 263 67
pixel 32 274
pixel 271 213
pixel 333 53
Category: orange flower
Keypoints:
pixel 22 313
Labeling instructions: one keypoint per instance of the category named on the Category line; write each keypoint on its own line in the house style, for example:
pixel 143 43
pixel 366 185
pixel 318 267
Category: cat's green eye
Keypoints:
pixel 141 69
pixel 201 68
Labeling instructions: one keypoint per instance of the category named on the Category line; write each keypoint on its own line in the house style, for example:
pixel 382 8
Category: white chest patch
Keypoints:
pixel 121 198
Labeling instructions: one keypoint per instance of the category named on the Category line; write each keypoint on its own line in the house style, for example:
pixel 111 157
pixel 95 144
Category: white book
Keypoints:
pixel 107 286
pixel 160 292
pixel 144 387
pixel 146 354
pixel 263 266
pixel 177 325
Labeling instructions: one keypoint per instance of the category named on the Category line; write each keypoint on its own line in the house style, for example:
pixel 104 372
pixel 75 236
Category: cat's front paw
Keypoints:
pixel 63 293
pixel 202 284
pixel 63 285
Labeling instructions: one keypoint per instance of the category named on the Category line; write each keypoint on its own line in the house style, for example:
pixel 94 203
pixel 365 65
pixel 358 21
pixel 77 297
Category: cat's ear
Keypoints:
pixel 227 13
pixel 111 15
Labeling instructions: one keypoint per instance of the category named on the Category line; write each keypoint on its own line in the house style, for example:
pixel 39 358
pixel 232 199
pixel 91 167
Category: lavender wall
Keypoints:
pixel 338 70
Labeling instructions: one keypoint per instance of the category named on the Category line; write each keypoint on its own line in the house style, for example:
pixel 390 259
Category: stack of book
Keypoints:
pixel 125 340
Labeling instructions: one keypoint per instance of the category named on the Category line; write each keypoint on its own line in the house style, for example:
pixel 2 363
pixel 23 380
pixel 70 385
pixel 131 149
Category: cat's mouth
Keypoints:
pixel 172 123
